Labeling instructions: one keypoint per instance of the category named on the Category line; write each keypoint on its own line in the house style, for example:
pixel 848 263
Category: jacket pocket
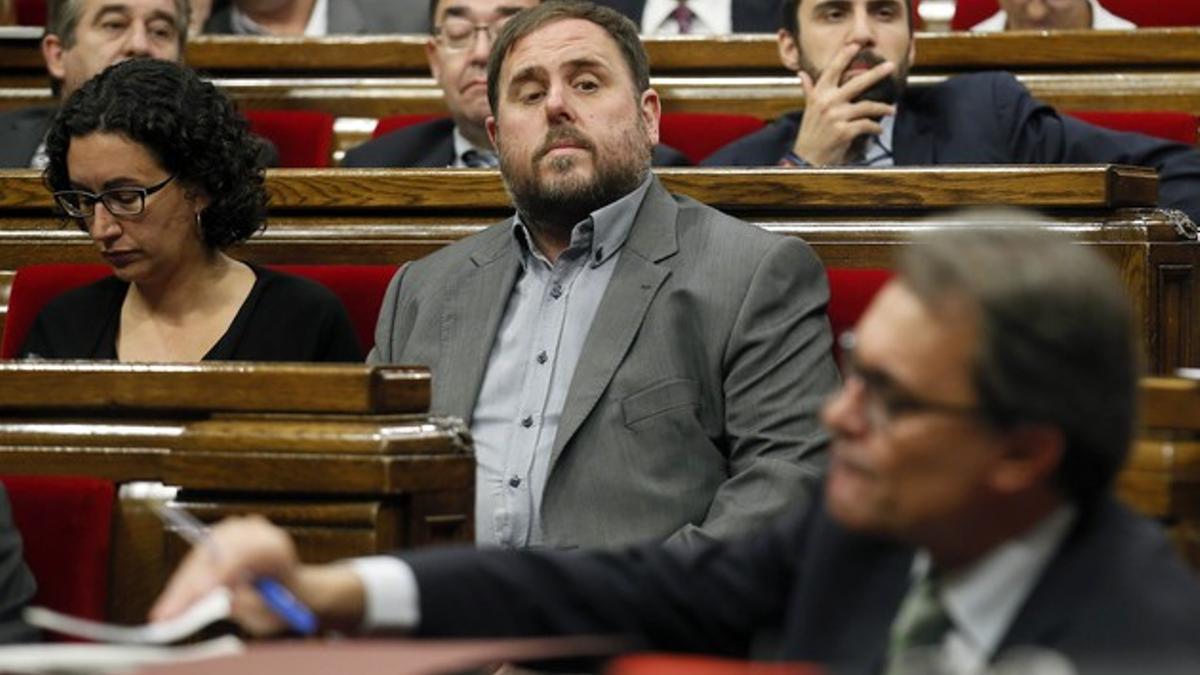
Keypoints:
pixel 659 398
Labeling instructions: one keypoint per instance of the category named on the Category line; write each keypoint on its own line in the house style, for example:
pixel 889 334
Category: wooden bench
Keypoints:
pixel 344 457
pixel 853 218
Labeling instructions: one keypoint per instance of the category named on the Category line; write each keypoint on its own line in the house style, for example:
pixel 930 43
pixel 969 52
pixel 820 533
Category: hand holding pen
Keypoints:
pixel 274 595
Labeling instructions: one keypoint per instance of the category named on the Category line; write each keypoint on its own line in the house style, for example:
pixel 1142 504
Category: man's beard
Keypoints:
pixel 560 202
pixel 888 90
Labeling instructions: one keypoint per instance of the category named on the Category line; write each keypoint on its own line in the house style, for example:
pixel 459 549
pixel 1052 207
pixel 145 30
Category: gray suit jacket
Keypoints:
pixel 21 131
pixel 351 17
pixel 694 414
pixel 16 583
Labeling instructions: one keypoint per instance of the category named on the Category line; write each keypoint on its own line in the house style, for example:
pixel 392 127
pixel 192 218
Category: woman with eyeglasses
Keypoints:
pixel 159 169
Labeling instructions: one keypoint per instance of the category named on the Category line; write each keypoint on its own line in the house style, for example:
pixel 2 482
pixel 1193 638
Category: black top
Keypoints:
pixel 285 318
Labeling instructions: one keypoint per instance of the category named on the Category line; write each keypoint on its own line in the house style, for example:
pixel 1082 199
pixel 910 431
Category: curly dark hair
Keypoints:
pixel 189 126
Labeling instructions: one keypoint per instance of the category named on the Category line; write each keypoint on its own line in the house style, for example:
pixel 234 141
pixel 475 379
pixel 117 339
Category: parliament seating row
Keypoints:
pixel 853 218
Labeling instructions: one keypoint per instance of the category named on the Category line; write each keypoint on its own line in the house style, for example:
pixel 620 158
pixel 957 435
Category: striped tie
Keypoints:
pixel 921 622
pixel 683 17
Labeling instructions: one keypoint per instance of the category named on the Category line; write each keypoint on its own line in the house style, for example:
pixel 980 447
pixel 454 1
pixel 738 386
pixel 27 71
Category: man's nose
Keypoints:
pixel 480 47
pixel 558 104
pixel 137 40
pixel 862 31
pixel 844 413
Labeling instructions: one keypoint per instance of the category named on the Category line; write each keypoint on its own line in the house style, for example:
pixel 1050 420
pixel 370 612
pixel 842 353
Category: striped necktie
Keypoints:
pixel 683 17
pixel 922 622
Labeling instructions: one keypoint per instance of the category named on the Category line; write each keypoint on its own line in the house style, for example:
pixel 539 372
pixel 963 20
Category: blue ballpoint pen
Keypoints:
pixel 278 598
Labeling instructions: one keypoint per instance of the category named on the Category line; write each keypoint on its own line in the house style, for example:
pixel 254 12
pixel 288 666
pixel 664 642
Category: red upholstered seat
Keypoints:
pixel 359 287
pixel 688 664
pixel 1150 13
pixel 66 525
pixel 394 122
pixel 30 12
pixel 698 135
pixel 1144 13
pixel 850 291
pixel 1173 126
pixel 304 138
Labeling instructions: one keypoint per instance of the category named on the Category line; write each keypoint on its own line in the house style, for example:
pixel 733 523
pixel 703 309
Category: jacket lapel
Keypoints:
pixel 23 133
pixel 482 292
pixel 622 310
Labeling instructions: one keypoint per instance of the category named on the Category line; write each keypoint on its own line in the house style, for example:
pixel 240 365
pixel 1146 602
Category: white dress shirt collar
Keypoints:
pixel 983 599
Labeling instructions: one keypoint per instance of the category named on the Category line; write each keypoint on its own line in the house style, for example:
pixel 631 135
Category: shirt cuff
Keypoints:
pixel 391 593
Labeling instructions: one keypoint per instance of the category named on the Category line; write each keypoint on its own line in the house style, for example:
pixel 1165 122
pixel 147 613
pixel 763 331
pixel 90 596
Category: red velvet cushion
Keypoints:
pixel 304 138
pixel 967 13
pixel 394 122
pixel 1173 126
pixel 687 664
pixel 850 291
pixel 1148 13
pixel 1144 13
pixel 66 525
pixel 31 12
pixel 698 135
pixel 359 287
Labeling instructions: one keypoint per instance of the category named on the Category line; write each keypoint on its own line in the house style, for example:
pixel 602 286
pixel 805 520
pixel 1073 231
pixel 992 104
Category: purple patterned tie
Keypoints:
pixel 683 17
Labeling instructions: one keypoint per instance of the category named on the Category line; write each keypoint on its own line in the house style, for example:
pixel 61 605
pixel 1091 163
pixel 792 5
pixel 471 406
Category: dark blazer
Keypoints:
pixel 350 17
pixel 431 144
pixel 990 118
pixel 21 131
pixel 16 583
pixel 693 412
pixel 749 16
pixel 1114 598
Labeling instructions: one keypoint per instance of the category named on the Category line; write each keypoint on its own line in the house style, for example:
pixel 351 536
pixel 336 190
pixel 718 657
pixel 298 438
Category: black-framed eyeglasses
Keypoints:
pixel 121 201
pixel 884 399
pixel 457 34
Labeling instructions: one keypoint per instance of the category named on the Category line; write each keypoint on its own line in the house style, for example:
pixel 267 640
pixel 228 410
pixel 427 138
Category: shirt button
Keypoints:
pixel 542 357
pixel 556 291
pixel 527 421
pixel 515 482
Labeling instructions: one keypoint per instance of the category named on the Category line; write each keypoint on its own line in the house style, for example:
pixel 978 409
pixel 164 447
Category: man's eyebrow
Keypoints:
pixel 110 9
pixel 526 74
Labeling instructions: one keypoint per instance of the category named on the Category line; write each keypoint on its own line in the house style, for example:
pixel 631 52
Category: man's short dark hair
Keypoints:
pixel 617 25
pixel 790 16
pixel 186 124
pixel 1056 342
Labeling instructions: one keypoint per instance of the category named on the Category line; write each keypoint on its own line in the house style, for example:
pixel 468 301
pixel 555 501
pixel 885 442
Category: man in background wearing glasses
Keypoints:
pixel 462 33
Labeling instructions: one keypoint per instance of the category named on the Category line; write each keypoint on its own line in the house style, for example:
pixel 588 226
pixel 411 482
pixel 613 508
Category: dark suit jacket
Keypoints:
pixel 21 131
pixel 431 144
pixel 693 411
pixel 1115 597
pixel 990 118
pixel 16 583
pixel 749 16
pixel 350 17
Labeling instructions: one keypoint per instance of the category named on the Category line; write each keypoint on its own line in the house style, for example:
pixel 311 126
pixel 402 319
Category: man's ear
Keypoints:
pixel 490 125
pixel 789 50
pixel 434 57
pixel 53 52
pixel 1032 455
pixel 651 114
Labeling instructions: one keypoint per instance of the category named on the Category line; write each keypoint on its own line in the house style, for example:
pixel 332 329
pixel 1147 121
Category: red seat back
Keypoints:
pixel 1173 126
pixel 690 664
pixel 1150 13
pixel 304 138
pixel 394 122
pixel 967 13
pixel 66 527
pixel 30 12
pixel 359 287
pixel 698 135
pixel 850 291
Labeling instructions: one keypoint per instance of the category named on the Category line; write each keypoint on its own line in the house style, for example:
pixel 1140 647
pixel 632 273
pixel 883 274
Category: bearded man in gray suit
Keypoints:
pixel 633 365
